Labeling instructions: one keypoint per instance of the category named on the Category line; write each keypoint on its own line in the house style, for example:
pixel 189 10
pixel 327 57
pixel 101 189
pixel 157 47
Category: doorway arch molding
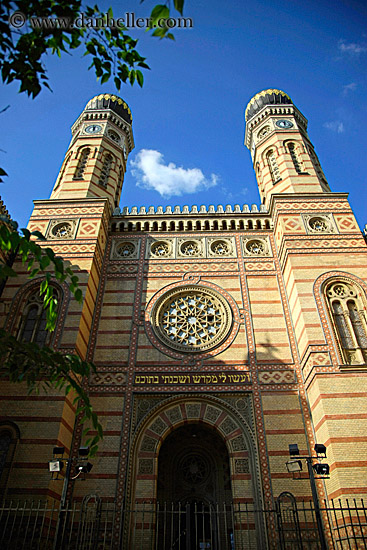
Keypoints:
pixel 176 411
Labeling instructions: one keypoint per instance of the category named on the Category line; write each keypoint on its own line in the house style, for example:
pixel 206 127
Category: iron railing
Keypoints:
pixel 89 525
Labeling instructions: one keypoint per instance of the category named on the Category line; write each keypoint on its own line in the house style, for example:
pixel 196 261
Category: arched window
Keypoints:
pixel 348 312
pixel 9 437
pixel 105 171
pixel 296 157
pixel 273 166
pixel 119 185
pixel 172 226
pixel 59 179
pixel 33 324
pixel 83 158
pixel 316 164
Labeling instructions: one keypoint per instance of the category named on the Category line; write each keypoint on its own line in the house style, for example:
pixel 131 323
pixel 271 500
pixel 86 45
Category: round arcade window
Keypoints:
pixel 62 230
pixel 192 319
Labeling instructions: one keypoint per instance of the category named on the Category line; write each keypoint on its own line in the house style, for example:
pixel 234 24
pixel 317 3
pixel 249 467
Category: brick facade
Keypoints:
pixel 279 377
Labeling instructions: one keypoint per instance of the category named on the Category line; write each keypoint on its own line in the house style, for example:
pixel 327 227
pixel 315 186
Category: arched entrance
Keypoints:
pixel 194 481
pixel 193 465
pixel 194 459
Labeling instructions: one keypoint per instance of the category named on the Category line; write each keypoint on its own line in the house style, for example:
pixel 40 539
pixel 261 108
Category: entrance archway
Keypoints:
pixel 194 480
pixel 157 498
pixel 193 466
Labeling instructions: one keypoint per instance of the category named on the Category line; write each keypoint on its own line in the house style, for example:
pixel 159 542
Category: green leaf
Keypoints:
pixel 179 4
pixel 159 12
pixel 140 78
pixel 39 235
pixel 78 295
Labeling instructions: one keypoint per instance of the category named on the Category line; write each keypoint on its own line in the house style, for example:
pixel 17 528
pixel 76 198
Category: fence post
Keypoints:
pixel 316 504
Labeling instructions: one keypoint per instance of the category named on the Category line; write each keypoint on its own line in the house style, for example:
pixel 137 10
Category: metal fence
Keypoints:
pixel 89 525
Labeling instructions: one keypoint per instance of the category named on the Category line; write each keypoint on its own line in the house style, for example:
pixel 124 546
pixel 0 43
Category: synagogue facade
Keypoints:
pixel 220 334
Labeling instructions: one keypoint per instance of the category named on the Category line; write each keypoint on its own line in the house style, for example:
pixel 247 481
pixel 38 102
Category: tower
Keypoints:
pixel 95 162
pixel 283 156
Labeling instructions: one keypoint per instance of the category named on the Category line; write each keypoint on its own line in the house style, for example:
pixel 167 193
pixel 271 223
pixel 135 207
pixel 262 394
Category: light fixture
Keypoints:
pixel 294 466
pixel 58 451
pixel 321 469
pixel 293 449
pixel 55 465
pixel 83 451
pixel 320 450
pixel 85 468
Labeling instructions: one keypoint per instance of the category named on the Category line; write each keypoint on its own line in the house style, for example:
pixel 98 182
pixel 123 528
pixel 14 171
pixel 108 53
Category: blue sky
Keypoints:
pixel 190 112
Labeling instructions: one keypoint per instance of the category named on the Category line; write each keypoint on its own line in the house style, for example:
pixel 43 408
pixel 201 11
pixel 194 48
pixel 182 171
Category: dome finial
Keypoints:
pixel 266 97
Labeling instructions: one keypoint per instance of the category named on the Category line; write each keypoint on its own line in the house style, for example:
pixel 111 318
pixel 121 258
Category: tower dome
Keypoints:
pixel 266 97
pixel 112 102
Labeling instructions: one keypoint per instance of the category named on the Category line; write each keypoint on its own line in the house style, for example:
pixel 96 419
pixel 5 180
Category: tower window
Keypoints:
pixel 105 172
pixel 296 158
pixel 273 166
pixel 59 179
pixel 348 314
pixel 33 325
pixel 79 173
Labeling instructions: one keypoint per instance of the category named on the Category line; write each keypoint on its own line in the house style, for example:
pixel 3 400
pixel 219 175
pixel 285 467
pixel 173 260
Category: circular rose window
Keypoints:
pixel 192 319
pixel 126 249
pixel 62 230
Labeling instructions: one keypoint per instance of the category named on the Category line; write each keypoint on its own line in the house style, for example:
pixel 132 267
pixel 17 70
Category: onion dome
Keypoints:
pixel 266 97
pixel 112 102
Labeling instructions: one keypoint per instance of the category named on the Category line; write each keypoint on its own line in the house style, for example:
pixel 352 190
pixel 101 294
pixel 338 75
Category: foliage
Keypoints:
pixel 24 45
pixel 43 368
pixel 37 260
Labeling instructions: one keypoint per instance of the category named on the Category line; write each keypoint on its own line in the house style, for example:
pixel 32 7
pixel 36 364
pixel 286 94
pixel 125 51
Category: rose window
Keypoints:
pixel 190 248
pixel 222 248
pixel 194 469
pixel 256 247
pixel 318 224
pixel 160 249
pixel 192 320
pixel 62 230
pixel 126 249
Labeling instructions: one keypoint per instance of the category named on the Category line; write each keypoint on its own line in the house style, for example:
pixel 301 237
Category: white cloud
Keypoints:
pixel 336 126
pixel 351 48
pixel 168 179
pixel 230 196
pixel 349 88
